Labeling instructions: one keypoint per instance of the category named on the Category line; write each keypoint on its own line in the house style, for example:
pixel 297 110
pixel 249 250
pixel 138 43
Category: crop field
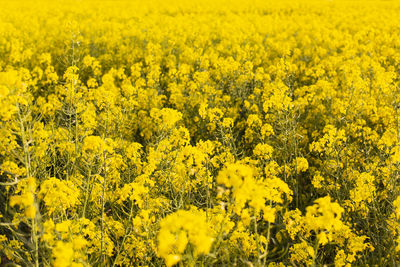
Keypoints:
pixel 199 133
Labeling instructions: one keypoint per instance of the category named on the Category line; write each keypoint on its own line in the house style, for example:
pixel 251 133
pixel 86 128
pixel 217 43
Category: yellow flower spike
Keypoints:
pixel 63 254
pixel 30 212
pixel 79 243
pixel 26 198
pixel 301 164
pixel 269 214
pixel 59 195
pixel 180 228
pixel 263 151
pixel 172 259
pixel 322 238
pixel 48 235
pixel 227 122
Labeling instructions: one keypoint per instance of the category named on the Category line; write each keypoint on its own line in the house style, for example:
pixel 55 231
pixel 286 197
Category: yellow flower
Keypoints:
pixel 63 254
pixel 59 195
pixel 301 164
pixel 302 253
pixel 180 228
pixel 166 118
pixel 26 197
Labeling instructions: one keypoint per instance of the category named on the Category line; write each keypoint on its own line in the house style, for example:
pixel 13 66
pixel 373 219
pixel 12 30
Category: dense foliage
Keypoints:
pixel 259 133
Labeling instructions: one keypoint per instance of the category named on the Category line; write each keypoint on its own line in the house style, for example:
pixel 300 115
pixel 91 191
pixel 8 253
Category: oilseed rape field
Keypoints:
pixel 199 133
